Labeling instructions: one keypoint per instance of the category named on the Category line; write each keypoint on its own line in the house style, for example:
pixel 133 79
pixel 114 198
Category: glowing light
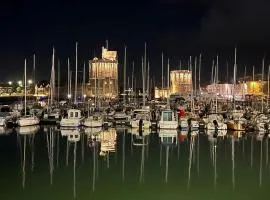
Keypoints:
pixel 69 96
pixel 84 96
pixel 10 82
pixel 30 81
pixel 20 83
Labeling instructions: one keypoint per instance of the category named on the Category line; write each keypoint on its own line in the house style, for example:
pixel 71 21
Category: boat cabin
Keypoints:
pixel 74 114
pixel 167 115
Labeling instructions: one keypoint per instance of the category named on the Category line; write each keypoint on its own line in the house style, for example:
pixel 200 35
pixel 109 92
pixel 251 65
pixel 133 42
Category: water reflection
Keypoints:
pixel 24 134
pixel 228 160
pixel 73 137
pixel 168 140
pixel 140 139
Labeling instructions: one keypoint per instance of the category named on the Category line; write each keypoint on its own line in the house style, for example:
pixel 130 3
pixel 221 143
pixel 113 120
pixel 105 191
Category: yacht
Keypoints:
pixel 167 120
pixel 120 118
pixel 141 114
pixel 215 121
pixel 52 117
pixel 236 122
pixel 74 119
pixel 93 121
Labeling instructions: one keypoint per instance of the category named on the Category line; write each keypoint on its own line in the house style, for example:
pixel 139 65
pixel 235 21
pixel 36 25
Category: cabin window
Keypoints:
pixel 167 116
pixel 71 114
pixel 76 114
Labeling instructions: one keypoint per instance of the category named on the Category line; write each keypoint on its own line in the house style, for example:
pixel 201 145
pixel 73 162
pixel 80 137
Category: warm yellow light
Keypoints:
pixel 20 83
pixel 10 82
pixel 30 81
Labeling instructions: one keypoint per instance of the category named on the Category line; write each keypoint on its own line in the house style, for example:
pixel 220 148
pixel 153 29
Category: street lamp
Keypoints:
pixel 10 82
pixel 30 81
pixel 20 83
pixel 69 96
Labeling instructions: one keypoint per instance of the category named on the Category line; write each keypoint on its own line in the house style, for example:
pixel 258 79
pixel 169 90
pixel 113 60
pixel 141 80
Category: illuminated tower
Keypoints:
pixel 103 75
pixel 181 82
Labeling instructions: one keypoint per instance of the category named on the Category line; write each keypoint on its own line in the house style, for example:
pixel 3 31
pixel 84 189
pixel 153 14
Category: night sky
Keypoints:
pixel 179 28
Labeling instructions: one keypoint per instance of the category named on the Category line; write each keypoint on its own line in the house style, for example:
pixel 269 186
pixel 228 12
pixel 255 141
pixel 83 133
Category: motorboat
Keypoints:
pixel 237 122
pixel 93 121
pixel 74 119
pixel 120 118
pixel 167 120
pixel 52 117
pixel 215 122
pixel 141 114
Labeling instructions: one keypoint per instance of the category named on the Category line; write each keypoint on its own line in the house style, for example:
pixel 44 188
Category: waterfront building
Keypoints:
pixel 181 82
pixel 161 93
pixel 5 89
pixel 42 89
pixel 103 75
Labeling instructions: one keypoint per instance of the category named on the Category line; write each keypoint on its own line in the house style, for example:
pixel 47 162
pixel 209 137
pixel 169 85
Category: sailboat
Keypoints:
pixel 52 116
pixel 168 119
pixel 26 120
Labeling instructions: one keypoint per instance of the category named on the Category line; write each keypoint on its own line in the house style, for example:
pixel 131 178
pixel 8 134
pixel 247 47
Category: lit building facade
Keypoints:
pixel 239 90
pixel 103 75
pixel 181 82
pixel 161 93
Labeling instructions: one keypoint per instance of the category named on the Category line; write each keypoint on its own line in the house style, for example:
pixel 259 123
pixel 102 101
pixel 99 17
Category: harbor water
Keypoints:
pixel 47 163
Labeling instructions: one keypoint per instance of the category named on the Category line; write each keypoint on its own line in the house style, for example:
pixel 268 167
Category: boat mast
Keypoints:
pixel 125 74
pixel 58 77
pixel 168 83
pixel 132 77
pixel 83 84
pixel 148 80
pixel 25 86
pixel 195 76
pixel 200 65
pixel 143 82
pixel 253 76
pixel 268 77
pixel 216 81
pixel 234 76
pixel 34 69
pixel 68 79
pixel 262 81
pixel 52 82
pixel 162 75
pixel 144 72
pixel 76 75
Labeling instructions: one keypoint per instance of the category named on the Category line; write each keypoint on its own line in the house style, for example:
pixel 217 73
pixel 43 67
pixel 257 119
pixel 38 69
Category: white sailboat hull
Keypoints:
pixel 89 122
pixel 27 121
pixel 168 124
pixel 74 122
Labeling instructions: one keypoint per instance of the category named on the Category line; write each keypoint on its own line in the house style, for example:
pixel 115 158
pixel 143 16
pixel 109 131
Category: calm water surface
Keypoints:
pixel 46 163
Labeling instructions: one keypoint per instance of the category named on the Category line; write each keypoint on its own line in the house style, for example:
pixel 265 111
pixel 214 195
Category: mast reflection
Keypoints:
pixel 73 137
pixel 140 139
pixel 168 140
pixel 27 133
